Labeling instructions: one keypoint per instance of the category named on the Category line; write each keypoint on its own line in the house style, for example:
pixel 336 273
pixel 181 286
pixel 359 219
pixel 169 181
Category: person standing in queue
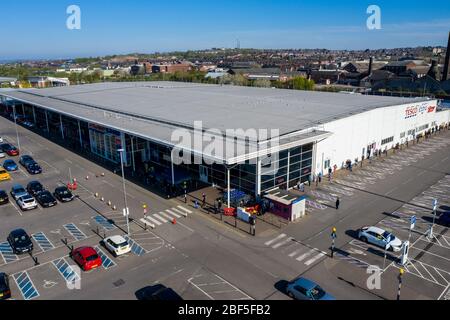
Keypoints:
pixel 338 203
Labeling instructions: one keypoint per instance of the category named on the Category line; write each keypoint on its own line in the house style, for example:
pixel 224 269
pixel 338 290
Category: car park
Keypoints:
pixel 10 165
pixel 5 290
pixel 4 175
pixel 9 149
pixel 4 199
pixel 87 258
pixel 17 191
pixel 63 194
pixel 25 159
pixel 34 187
pixel 117 245
pixel 20 241
pixel 158 292
pixel 304 289
pixel 380 238
pixel 46 199
pixel 26 203
pixel 33 168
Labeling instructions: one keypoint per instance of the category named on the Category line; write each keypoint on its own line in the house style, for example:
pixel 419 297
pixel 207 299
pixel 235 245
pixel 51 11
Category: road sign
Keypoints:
pixel 388 242
pixel 413 222
pixel 435 204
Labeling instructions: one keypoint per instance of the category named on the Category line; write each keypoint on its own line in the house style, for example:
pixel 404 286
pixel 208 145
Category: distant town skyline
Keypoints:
pixel 38 30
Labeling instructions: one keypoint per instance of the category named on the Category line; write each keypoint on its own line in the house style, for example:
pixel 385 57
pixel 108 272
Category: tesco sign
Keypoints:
pixel 411 112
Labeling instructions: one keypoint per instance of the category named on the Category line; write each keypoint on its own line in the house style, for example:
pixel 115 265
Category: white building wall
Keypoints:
pixel 352 135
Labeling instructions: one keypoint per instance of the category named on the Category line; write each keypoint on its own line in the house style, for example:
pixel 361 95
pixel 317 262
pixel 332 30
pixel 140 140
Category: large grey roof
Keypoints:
pixel 155 109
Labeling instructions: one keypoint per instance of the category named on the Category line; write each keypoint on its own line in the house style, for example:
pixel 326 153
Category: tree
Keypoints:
pixel 262 83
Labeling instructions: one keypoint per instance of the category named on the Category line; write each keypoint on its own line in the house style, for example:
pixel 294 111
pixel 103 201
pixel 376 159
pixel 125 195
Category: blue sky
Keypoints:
pixel 37 29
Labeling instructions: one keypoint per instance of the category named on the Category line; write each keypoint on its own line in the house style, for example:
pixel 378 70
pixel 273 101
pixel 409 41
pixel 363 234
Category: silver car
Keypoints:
pixel 380 238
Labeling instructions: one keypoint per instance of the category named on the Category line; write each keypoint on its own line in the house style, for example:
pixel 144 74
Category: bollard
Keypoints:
pixel 96 195
pixel 103 174
pixel 102 199
pixel 87 177
pixel 114 208
pixel 109 203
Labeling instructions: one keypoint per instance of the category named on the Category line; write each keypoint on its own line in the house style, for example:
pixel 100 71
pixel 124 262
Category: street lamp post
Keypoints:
pixel 126 210
pixel 435 204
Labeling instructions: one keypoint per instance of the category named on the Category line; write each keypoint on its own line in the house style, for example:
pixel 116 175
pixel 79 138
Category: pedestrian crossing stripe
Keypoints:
pixel 314 259
pixel 165 215
pixel 305 255
pixel 281 236
pixel 184 209
pixel 160 218
pixel 154 221
pixel 173 213
pixel 282 243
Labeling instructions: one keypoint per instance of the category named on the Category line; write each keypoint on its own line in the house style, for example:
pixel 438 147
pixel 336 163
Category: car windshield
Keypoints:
pixel 19 190
pixel 317 293
pixel 28 200
pixel 120 245
pixel 92 258
pixel 386 235
pixel 21 239
pixel 64 192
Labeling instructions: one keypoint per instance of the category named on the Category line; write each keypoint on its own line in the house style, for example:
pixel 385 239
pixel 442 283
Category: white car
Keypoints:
pixel 117 245
pixel 380 238
pixel 2 155
pixel 26 203
pixel 1 140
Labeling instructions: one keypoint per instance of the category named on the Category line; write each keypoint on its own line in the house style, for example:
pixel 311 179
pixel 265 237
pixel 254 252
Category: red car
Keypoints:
pixel 9 149
pixel 87 258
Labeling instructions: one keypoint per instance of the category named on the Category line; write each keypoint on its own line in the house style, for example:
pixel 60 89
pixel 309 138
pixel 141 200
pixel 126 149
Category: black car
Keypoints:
pixel 24 160
pixel 34 187
pixel 20 241
pixel 444 219
pixel 46 199
pixel 4 199
pixel 63 194
pixel 33 168
pixel 158 292
pixel 5 291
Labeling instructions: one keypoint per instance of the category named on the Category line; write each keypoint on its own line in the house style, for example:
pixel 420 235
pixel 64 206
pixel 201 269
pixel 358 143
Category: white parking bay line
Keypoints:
pixel 282 243
pixel 314 259
pixel 281 236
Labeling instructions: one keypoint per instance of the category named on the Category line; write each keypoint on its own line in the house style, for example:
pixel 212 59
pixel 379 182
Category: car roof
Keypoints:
pixel 34 182
pixel 376 230
pixel 117 239
pixel 17 186
pixel 18 232
pixel 86 251
pixel 305 283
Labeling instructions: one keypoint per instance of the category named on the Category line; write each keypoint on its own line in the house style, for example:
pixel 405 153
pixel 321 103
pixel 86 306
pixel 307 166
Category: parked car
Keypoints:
pixel 20 241
pixel 17 191
pixel 380 238
pixel 5 290
pixel 63 194
pixel 4 199
pixel 158 292
pixel 117 245
pixel 1 139
pixel 444 219
pixel 10 165
pixel 46 199
pixel 25 159
pixel 26 203
pixel 34 187
pixel 2 154
pixel 33 168
pixel 87 258
pixel 304 289
pixel 9 149
pixel 4 175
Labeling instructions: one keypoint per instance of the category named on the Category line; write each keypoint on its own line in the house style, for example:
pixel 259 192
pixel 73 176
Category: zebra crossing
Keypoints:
pixel 294 250
pixel 165 216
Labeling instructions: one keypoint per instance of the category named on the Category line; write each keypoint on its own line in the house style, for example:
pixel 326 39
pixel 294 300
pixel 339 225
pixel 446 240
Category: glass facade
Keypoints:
pixel 298 160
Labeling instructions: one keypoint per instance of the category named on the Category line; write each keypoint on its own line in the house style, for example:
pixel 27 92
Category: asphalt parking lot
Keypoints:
pixel 202 258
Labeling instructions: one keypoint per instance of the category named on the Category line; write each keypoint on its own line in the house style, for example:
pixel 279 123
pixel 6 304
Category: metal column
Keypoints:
pixel 228 187
pixel 79 134
pixel 258 177
pixel 132 154
pixel 288 168
pixel 46 121
pixel 171 164
pixel 61 124
pixel 34 115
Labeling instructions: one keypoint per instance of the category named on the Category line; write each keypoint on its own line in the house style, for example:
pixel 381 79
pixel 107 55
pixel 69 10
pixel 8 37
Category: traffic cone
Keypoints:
pixel 174 221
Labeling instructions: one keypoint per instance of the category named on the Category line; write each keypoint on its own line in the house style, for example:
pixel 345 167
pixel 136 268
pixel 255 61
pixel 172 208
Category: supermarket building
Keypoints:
pixel 317 130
